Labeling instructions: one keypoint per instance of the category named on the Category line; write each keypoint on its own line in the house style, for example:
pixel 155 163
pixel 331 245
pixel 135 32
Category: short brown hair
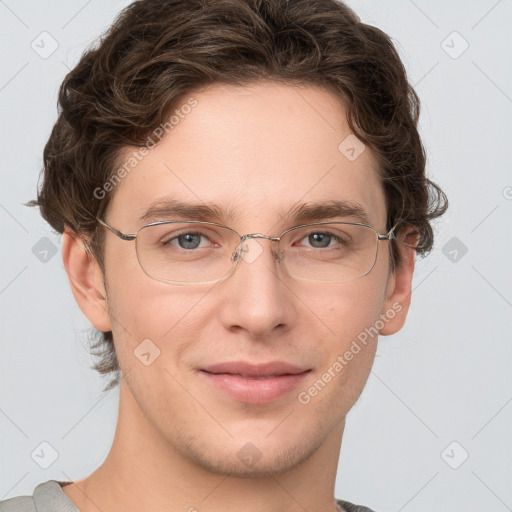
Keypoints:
pixel 158 51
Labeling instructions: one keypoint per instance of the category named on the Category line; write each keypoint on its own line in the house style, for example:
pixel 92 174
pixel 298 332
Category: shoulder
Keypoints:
pixel 47 497
pixel 18 504
pixel 349 507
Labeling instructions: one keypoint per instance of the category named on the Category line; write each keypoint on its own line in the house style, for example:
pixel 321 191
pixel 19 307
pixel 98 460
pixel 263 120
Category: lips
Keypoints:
pixel 255 384
pixel 249 370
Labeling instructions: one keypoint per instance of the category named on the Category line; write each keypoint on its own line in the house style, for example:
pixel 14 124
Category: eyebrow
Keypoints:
pixel 171 208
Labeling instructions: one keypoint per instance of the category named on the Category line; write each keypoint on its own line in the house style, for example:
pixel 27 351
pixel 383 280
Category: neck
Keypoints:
pixel 144 471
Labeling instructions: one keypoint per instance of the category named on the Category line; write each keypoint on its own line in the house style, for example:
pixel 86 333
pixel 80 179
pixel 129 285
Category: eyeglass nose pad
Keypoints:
pixel 236 256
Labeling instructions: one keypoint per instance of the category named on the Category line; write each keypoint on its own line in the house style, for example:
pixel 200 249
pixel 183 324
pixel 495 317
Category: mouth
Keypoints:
pixel 250 370
pixel 256 384
pixel 259 377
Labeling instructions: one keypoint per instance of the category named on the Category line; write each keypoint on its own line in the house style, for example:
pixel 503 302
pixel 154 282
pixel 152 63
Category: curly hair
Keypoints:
pixel 159 51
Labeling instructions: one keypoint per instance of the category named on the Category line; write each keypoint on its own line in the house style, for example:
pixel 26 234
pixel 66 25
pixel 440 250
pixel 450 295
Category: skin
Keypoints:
pixel 259 148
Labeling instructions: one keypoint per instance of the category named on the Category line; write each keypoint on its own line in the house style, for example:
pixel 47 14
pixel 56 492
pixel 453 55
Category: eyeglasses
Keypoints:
pixel 199 252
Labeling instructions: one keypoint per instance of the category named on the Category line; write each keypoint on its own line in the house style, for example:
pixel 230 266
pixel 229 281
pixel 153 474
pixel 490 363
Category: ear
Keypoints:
pixel 86 280
pixel 398 292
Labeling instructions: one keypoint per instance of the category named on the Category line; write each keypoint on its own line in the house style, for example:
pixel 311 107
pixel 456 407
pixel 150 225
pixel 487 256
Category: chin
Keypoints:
pixel 253 455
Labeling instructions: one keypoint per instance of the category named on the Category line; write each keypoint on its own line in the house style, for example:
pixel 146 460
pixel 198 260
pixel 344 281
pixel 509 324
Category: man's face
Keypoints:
pixel 258 151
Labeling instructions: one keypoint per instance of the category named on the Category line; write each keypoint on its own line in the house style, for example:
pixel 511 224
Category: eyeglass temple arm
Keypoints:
pixel 388 236
pixel 122 236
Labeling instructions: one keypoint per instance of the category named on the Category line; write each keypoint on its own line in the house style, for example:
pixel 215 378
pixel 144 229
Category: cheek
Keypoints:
pixel 349 308
pixel 140 307
pixel 165 319
pixel 347 313
pixel 350 313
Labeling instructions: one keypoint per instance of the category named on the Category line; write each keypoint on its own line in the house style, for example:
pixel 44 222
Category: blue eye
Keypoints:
pixel 188 240
pixel 323 239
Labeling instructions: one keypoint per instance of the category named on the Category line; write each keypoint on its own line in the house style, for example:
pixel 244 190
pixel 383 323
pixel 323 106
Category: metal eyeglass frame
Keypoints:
pixel 132 236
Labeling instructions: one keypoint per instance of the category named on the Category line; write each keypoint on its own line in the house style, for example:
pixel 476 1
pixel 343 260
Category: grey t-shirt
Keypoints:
pixel 49 497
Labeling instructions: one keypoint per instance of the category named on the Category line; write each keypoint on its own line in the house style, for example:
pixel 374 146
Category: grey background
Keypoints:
pixel 444 378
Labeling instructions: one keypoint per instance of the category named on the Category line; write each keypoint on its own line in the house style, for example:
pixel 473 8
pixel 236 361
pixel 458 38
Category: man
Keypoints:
pixel 241 189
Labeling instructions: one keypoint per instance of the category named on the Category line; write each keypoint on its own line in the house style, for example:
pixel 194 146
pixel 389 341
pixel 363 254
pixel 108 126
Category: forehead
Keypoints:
pixel 256 150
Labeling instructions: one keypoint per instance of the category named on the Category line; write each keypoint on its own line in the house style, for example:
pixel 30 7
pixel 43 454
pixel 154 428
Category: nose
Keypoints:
pixel 258 300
